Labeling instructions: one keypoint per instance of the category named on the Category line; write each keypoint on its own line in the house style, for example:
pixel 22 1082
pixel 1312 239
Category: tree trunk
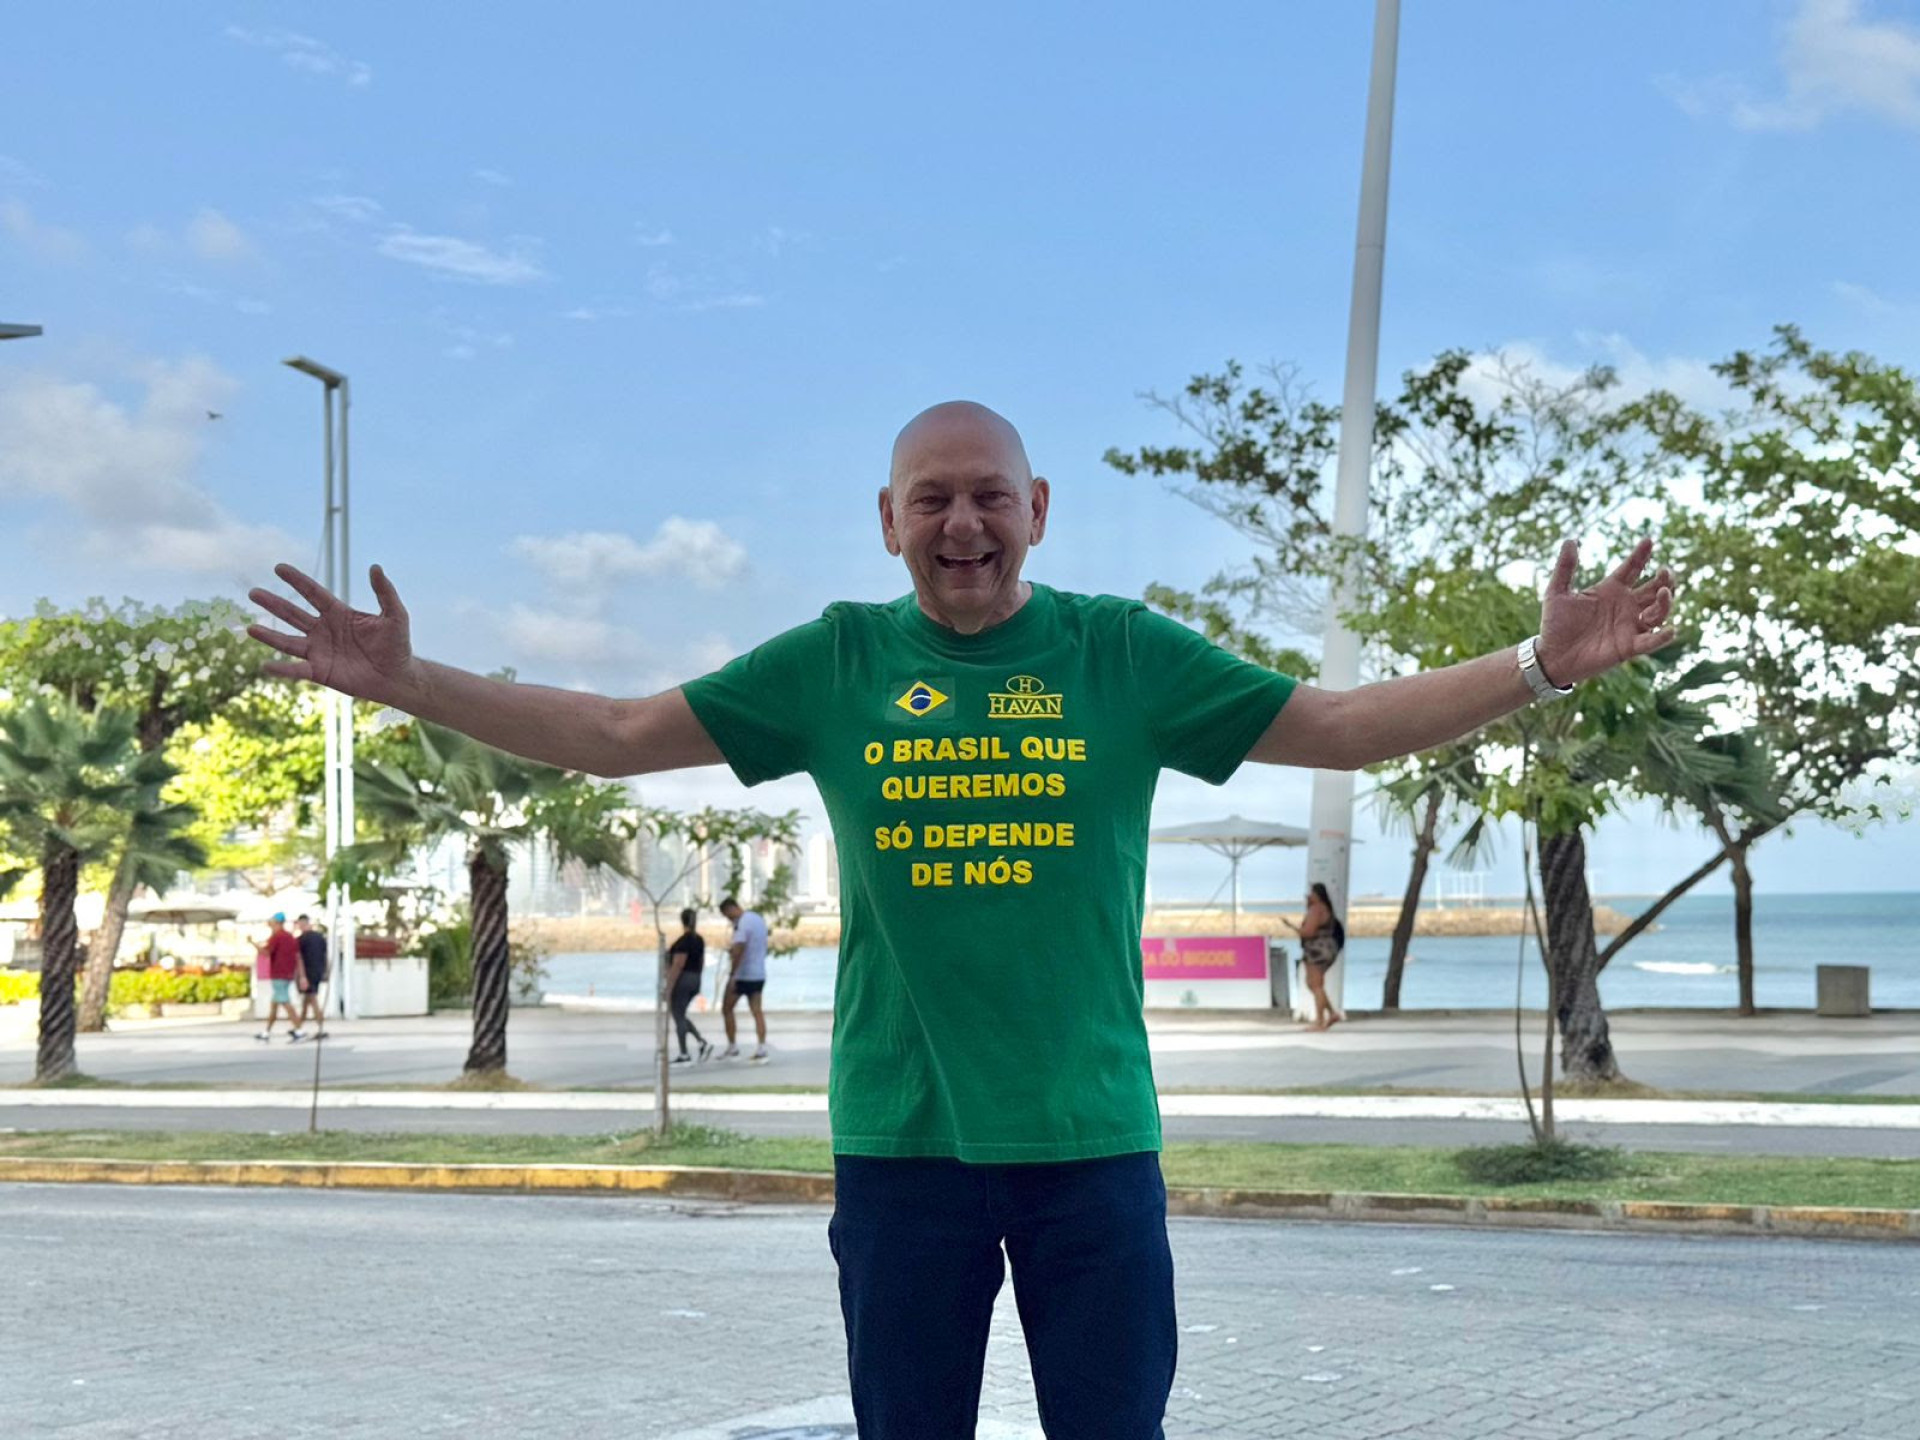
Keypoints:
pixel 1573 960
pixel 488 890
pixel 106 947
pixel 155 729
pixel 663 1062
pixel 59 938
pixel 1410 906
pixel 1743 926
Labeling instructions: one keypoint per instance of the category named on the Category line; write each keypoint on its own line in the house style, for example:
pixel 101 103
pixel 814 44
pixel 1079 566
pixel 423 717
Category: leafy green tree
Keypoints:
pixel 74 786
pixel 441 785
pixel 1799 561
pixel 169 667
pixel 1477 468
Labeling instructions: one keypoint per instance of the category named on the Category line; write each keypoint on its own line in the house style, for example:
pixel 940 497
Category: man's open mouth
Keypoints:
pixel 965 562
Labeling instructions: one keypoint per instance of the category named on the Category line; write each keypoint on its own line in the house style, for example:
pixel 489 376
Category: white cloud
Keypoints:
pixel 461 259
pixel 1690 379
pixel 647 235
pixel 207 295
pixel 212 236
pixel 553 640
pixel 492 177
pixel 128 472
pixel 208 236
pixel 469 342
pixel 669 287
pixel 777 238
pixel 304 53
pixel 1832 61
pixel 49 242
pixel 357 208
pixel 590 313
pixel 593 561
pixel 18 172
pixel 1874 305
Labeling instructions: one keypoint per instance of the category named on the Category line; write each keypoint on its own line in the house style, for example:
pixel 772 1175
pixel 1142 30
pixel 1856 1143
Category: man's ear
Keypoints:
pixel 1042 499
pixel 886 520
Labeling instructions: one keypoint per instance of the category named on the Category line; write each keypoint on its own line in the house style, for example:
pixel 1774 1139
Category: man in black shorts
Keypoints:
pixel 313 974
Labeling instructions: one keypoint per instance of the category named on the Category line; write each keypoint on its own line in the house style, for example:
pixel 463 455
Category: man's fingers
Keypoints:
pixel 1563 567
pixel 388 597
pixel 1652 641
pixel 284 609
pixel 286 644
pixel 1635 562
pixel 288 671
pixel 315 594
pixel 1657 611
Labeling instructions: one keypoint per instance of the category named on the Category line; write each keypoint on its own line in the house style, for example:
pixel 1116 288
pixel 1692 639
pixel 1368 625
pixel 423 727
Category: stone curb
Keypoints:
pixel 805 1187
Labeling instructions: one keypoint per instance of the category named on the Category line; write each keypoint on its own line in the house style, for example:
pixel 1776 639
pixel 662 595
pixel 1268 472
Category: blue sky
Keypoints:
pixel 633 297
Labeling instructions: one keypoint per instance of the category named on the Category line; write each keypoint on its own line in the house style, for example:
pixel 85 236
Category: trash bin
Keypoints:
pixel 1277 973
pixel 1841 990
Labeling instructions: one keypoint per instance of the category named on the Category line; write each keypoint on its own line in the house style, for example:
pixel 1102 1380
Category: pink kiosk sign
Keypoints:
pixel 1207 972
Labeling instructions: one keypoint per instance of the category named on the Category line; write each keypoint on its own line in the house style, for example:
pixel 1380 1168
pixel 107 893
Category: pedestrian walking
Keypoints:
pixel 1322 938
pixel 746 977
pixel 313 974
pixel 686 958
pixel 987 749
pixel 281 956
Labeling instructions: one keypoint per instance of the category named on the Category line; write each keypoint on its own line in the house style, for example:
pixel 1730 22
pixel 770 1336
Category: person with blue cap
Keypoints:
pixel 279 961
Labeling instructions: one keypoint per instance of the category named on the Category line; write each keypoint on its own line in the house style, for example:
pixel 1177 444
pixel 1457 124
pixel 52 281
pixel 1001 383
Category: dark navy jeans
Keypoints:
pixel 919 1245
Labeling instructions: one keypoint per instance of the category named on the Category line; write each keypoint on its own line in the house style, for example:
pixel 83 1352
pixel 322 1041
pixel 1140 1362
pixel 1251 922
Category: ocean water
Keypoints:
pixel 1688 961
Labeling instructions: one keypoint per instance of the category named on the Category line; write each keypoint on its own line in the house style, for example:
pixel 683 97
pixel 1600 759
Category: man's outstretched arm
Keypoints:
pixel 1582 634
pixel 370 656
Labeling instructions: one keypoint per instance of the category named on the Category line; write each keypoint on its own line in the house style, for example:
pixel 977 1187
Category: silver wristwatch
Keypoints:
pixel 1536 678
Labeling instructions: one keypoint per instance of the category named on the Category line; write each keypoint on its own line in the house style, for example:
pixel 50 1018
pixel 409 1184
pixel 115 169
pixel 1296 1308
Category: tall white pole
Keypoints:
pixel 330 714
pixel 1331 822
pixel 337 710
pixel 345 954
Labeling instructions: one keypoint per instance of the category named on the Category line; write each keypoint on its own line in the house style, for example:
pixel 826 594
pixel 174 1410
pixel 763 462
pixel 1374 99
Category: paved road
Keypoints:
pixel 1673 1050
pixel 1705 1139
pixel 234 1314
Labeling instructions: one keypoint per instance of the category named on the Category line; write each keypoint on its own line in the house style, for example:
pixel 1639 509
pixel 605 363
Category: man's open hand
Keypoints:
pixel 369 656
pixel 1585 632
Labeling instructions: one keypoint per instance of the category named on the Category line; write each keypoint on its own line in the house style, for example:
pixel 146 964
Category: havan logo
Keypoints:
pixel 1025 698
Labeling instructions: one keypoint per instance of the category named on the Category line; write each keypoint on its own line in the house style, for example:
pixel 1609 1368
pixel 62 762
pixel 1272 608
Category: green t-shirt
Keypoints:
pixel 989 796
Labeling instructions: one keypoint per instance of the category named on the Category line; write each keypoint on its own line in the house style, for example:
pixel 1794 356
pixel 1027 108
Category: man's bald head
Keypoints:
pixel 961 507
pixel 959 431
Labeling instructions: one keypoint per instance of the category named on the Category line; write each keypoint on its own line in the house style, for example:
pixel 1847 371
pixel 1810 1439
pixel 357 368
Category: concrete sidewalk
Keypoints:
pixel 637 1106
pixel 1239 1052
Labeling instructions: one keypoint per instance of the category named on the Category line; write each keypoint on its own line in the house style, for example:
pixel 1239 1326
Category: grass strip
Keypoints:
pixel 1407 1169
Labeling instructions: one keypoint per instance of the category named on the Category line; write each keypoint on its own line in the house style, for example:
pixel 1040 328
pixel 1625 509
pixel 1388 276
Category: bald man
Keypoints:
pixel 987 750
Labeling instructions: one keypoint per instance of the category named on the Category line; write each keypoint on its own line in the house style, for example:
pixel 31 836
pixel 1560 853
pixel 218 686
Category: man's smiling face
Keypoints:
pixel 962 508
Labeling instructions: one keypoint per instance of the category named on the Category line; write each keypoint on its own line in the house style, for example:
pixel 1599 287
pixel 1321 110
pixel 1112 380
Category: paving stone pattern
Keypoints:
pixel 226 1313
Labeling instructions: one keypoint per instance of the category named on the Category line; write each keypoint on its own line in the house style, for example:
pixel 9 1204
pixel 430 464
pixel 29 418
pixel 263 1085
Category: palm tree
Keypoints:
pixel 1646 729
pixel 76 787
pixel 444 784
pixel 1443 784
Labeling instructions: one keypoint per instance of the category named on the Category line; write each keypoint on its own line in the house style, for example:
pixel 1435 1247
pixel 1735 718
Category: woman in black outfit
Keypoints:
pixel 687 957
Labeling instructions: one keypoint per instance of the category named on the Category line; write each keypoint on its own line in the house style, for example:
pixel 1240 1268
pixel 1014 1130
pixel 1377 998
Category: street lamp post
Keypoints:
pixel 336 573
pixel 1331 816
pixel 18 332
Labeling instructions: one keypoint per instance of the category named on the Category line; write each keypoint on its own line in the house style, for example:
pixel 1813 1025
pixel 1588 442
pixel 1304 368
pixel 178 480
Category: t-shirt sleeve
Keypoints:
pixel 758 708
pixel 1205 707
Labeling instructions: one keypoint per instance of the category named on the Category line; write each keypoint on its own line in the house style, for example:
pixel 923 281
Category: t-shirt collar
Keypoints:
pixel 1015 627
